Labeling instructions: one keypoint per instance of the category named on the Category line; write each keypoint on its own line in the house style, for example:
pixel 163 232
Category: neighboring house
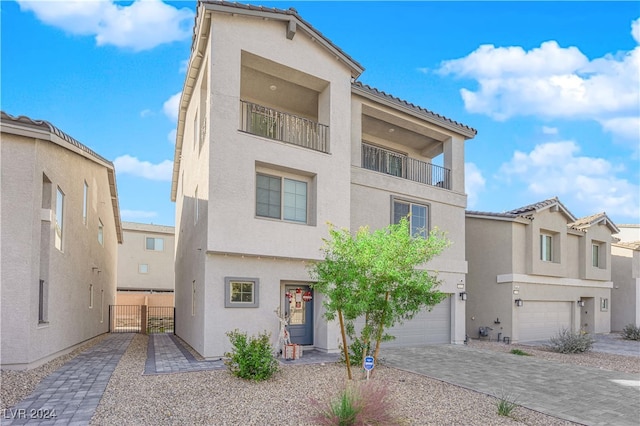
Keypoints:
pixel 625 274
pixel 60 232
pixel 146 265
pixel 275 139
pixel 536 270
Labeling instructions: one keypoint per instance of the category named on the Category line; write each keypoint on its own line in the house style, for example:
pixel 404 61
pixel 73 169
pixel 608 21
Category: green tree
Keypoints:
pixel 375 275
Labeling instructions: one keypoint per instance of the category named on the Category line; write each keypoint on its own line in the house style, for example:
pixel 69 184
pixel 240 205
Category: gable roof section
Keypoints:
pixel 631 245
pixel 552 203
pixel 595 219
pixel 44 130
pixel 422 113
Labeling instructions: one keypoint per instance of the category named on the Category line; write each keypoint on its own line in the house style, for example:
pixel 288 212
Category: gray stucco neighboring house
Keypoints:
pixel 60 228
pixel 536 270
pixel 625 274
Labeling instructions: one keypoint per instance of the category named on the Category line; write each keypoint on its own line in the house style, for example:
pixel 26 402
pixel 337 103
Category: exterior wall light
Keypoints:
pixel 519 302
pixel 581 303
pixel 463 296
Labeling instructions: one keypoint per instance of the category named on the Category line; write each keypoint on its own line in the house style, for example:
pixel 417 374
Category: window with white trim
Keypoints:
pixel 417 215
pixel 595 255
pixel 604 304
pixel 59 225
pixel 241 292
pixel 281 198
pixel 546 247
pixel 154 244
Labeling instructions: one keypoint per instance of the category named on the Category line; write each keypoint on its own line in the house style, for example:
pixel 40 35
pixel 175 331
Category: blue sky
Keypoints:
pixel 553 88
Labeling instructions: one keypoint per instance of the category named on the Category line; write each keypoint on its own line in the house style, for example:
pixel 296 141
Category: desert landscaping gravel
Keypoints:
pixel 218 398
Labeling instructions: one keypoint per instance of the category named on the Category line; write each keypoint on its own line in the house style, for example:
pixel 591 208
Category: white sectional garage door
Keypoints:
pixel 542 320
pixel 425 328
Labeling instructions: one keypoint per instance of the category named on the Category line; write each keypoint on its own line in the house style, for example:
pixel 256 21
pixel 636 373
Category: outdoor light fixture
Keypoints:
pixel 581 303
pixel 519 302
pixel 463 296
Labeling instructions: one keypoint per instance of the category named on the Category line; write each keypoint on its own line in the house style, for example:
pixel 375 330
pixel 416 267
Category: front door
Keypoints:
pixel 300 314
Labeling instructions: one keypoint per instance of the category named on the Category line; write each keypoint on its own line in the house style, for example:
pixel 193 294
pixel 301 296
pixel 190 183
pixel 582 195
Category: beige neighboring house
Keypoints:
pixel 145 265
pixel 536 270
pixel 60 231
pixel 625 274
pixel 275 138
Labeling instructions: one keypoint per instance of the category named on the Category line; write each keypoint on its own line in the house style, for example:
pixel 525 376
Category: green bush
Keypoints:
pixel 519 352
pixel 251 357
pixel 506 404
pixel 359 403
pixel 631 332
pixel 568 342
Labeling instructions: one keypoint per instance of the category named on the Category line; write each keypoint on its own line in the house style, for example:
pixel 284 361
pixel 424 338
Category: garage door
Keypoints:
pixel 425 328
pixel 542 320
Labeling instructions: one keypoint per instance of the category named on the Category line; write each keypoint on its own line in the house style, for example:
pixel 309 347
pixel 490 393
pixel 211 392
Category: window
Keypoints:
pixel 59 226
pixel 43 296
pixel 546 247
pixel 281 198
pixel 100 232
pixel 418 216
pixel 155 244
pixel 143 268
pixel 595 255
pixel 240 292
pixel 84 202
pixel 90 296
pixel 604 304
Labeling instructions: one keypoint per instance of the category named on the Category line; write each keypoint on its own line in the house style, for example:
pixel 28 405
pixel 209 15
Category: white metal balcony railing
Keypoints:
pixel 392 163
pixel 270 123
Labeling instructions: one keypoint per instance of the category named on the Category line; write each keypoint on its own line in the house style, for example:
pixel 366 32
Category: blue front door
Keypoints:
pixel 300 314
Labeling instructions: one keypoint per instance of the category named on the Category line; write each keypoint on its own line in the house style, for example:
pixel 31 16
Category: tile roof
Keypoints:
pixel 587 221
pixel 285 12
pixel 416 108
pixel 633 245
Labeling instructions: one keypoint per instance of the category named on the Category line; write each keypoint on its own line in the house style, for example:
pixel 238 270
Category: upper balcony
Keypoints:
pixel 281 126
pixel 400 165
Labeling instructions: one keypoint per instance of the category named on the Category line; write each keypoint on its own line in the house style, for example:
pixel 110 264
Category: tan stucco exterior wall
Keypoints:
pixel 625 295
pixel 82 267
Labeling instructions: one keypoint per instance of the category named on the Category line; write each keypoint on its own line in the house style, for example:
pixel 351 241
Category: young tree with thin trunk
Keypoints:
pixel 375 276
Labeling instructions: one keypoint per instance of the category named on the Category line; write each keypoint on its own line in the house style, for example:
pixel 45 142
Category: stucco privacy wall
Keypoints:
pixel 625 295
pixel 80 279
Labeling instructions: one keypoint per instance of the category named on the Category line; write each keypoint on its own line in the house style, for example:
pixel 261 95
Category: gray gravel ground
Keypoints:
pixel 217 398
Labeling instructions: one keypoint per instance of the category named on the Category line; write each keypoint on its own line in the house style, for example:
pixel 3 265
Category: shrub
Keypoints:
pixel 631 332
pixel 506 404
pixel 568 342
pixel 251 357
pixel 519 352
pixel 359 403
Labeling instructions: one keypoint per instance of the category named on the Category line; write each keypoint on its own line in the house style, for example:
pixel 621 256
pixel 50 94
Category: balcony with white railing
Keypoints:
pixel 281 126
pixel 400 165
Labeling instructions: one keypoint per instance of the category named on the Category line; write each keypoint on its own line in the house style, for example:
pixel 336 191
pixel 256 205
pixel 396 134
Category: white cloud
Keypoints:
pixel 127 164
pixel 137 214
pixel 549 130
pixel 184 66
pixel 635 30
pixel 171 136
pixel 171 106
pixel 552 82
pixel 142 25
pixel 590 184
pixel 146 113
pixel 474 183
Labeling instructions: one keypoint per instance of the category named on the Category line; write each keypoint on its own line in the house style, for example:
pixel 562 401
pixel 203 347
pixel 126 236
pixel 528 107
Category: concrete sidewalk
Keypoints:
pixel 580 394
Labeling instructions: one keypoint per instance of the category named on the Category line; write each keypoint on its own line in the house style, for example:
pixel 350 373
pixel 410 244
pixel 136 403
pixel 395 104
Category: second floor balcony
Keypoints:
pixel 281 126
pixel 400 165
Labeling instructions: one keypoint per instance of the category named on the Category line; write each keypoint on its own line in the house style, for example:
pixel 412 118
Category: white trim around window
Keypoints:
pixel 419 215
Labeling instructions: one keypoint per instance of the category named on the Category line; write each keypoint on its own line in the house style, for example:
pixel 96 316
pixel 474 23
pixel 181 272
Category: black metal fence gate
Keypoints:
pixel 130 319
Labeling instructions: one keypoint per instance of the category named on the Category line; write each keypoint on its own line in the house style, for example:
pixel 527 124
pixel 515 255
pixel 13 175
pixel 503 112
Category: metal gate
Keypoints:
pixel 129 319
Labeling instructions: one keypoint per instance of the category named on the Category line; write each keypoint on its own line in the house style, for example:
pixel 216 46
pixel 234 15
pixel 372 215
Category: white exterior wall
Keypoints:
pixel 625 295
pixel 28 230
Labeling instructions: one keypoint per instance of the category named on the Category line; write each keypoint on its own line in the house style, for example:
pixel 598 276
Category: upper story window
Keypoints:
pixel 595 255
pixel 59 225
pixel 154 244
pixel 418 216
pixel 546 247
pixel 598 254
pixel 281 198
pixel 85 195
pixel 100 232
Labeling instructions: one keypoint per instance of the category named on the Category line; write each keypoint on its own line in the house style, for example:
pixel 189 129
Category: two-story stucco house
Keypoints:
pixel 146 273
pixel 625 274
pixel 60 233
pixel 536 270
pixel 275 139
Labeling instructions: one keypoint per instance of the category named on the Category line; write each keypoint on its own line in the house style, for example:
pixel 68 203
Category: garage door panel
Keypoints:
pixel 542 320
pixel 425 328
